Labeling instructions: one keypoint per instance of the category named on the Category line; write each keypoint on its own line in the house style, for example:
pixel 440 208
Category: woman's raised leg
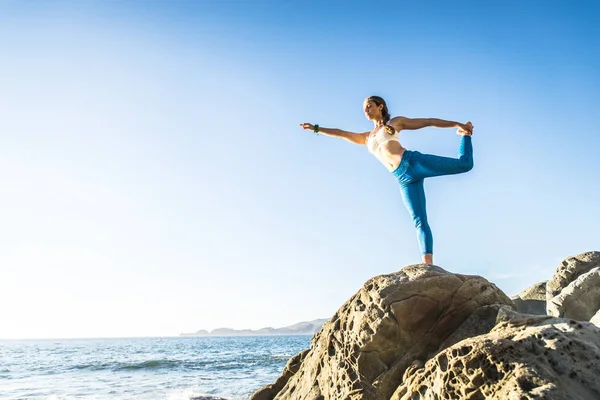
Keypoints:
pixel 427 165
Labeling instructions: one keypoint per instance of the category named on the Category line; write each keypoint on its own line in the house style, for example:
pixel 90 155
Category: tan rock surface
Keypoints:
pixel 580 300
pixel 527 358
pixel 270 391
pixel 569 270
pixel 532 300
pixel 534 292
pixel 481 321
pixel 363 351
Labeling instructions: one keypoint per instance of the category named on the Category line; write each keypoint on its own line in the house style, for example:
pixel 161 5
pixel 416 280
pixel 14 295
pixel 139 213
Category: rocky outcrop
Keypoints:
pixel 481 321
pixel 270 391
pixel 524 358
pixel 532 300
pixel 580 299
pixel 569 270
pixel 363 351
pixel 425 333
pixel 574 290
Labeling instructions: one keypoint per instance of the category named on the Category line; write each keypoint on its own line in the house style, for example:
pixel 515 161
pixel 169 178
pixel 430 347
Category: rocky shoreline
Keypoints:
pixel 426 333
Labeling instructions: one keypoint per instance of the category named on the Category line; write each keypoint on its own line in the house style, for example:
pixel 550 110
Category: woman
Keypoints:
pixel 409 167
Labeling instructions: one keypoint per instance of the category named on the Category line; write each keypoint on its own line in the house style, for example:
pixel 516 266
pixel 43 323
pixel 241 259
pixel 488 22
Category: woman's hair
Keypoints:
pixel 384 112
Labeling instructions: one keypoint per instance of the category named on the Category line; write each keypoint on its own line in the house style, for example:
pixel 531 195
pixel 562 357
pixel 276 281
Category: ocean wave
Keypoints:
pixel 282 356
pixel 151 364
pixel 190 394
pixel 206 398
pixel 141 365
pixel 175 364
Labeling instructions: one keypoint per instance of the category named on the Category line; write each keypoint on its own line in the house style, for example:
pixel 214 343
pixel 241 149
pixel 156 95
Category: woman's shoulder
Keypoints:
pixel 397 123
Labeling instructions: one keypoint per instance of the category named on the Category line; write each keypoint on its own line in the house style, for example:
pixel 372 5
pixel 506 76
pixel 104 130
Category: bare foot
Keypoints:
pixel 465 130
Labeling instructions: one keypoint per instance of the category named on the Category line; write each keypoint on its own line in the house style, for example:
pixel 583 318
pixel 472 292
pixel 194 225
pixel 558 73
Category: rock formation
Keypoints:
pixel 532 300
pixel 568 271
pixel 527 358
pixel 363 351
pixel 580 299
pixel 425 333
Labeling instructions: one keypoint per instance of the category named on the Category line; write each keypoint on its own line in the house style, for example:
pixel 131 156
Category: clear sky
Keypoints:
pixel 154 179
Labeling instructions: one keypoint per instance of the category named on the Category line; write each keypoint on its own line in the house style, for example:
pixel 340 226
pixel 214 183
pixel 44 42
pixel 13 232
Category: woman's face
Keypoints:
pixel 372 110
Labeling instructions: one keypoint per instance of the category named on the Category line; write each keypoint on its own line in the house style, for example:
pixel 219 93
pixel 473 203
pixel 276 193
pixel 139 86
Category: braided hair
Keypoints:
pixel 384 113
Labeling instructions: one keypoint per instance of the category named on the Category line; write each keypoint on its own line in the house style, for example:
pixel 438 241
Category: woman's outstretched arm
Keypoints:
pixel 400 123
pixel 357 138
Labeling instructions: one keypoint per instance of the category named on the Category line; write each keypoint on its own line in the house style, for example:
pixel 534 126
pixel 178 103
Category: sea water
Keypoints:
pixel 181 368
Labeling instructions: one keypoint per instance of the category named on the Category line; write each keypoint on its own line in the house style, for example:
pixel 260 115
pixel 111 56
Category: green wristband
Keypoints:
pixel 316 129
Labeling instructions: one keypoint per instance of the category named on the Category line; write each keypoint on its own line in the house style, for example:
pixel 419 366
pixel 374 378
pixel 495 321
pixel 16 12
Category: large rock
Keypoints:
pixel 532 300
pixel 270 391
pixel 363 351
pixel 481 321
pixel 527 358
pixel 569 270
pixel 580 299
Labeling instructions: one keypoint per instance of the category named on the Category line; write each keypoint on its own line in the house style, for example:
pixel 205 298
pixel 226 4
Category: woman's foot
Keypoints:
pixel 427 259
pixel 465 130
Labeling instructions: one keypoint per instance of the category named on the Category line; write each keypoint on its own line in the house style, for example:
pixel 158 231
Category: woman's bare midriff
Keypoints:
pixel 390 154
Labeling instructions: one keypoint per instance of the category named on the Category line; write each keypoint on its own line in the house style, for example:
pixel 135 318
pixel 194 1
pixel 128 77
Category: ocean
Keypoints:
pixel 182 368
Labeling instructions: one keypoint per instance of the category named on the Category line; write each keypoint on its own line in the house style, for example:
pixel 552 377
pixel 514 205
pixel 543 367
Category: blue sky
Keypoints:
pixel 154 179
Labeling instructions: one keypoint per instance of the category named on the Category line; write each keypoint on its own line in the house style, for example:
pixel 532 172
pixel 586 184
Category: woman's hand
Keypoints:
pixel 465 129
pixel 307 126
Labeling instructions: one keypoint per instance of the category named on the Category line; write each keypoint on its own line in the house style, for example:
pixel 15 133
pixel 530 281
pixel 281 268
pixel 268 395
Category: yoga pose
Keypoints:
pixel 410 168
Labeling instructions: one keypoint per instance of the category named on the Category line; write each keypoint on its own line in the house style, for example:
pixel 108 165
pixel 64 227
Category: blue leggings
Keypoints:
pixel 413 168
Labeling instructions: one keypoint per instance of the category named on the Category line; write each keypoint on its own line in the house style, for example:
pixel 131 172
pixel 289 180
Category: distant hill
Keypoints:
pixel 301 328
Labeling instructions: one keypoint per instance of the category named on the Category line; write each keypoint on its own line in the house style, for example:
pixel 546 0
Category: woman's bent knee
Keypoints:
pixel 467 166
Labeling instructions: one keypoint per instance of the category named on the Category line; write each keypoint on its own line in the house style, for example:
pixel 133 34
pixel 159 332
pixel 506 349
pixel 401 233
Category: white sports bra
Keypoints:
pixel 380 137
